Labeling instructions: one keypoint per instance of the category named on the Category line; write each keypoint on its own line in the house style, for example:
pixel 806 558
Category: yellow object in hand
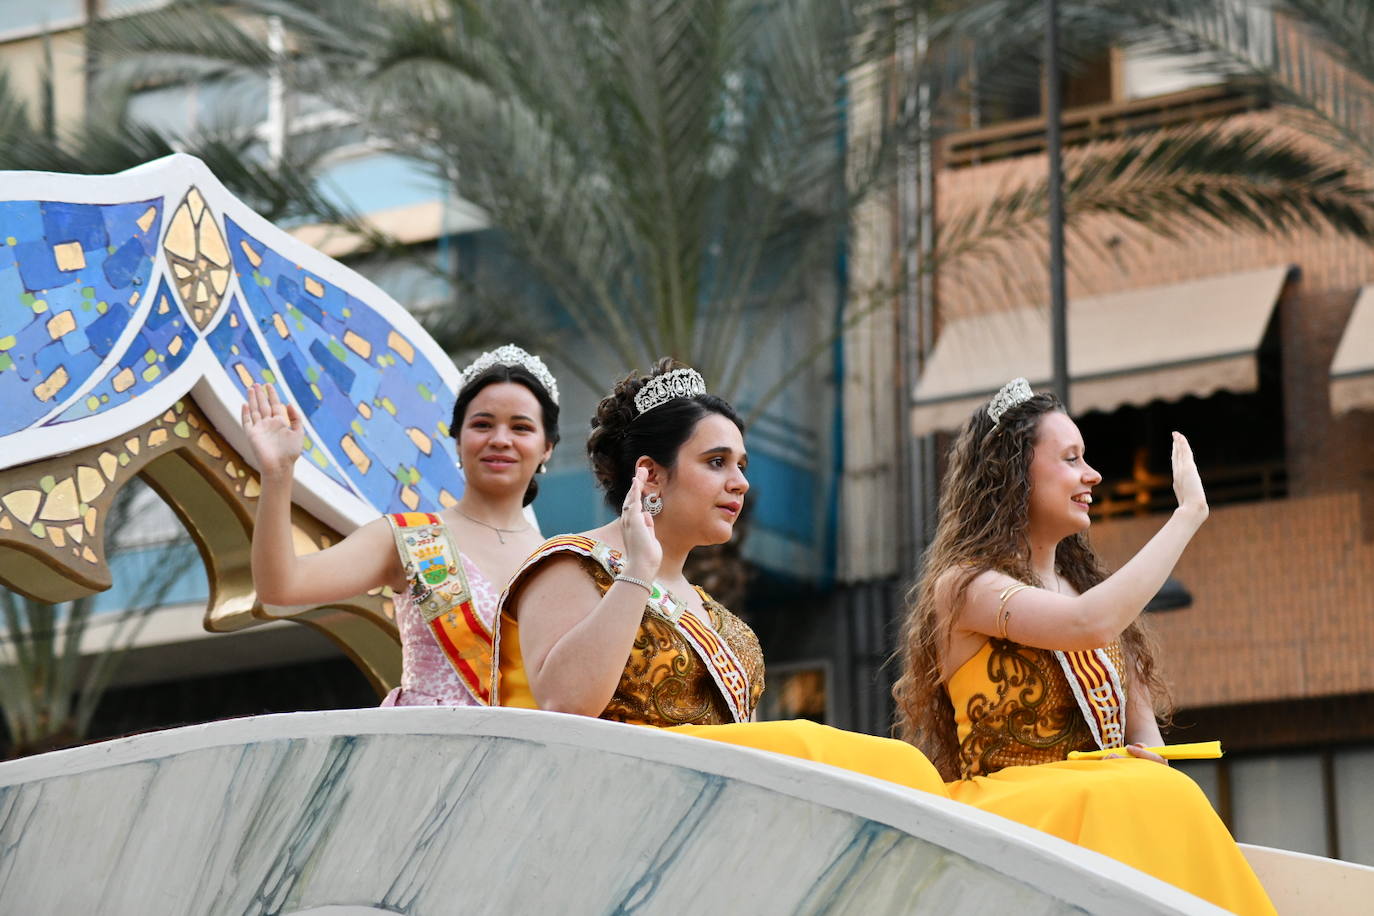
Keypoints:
pixel 1203 750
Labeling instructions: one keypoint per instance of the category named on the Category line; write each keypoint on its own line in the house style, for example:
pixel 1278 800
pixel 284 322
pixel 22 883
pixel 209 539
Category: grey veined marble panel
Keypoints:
pixel 436 811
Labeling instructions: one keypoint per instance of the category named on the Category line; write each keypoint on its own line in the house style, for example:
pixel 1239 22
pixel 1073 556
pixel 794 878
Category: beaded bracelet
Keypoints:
pixel 633 581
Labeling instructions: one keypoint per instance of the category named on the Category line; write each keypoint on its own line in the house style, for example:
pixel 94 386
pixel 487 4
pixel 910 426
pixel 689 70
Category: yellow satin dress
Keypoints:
pixel 666 685
pixel 1138 812
pixel 884 758
pixel 1017 722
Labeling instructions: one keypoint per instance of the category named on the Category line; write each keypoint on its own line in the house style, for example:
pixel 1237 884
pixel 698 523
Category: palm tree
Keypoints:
pixel 649 162
pixel 1314 56
pixel 668 170
pixel 1210 176
pixel 111 140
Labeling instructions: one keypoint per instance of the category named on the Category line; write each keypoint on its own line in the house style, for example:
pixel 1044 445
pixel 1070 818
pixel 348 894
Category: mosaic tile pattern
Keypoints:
pixel 57 510
pixel 200 263
pixel 237 348
pixel 377 403
pixel 71 280
pixel 111 314
pixel 161 344
pixel 82 332
pixel 63 508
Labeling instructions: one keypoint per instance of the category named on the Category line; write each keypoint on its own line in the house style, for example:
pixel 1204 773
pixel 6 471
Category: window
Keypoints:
pixel 1278 801
pixel 1319 802
pixel 1353 777
pixel 1090 84
pixel 1237 439
pixel 800 690
pixel 1137 87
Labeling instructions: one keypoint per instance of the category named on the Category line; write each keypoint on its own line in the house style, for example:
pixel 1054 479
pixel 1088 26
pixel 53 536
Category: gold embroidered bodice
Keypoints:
pixel 1014 707
pixel 665 682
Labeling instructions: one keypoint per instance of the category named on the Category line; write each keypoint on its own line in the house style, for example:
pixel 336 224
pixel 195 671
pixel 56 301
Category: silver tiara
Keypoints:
pixel 511 355
pixel 680 383
pixel 1017 391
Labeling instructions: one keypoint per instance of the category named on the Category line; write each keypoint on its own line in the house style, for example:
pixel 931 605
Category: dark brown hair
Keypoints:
pixel 984 520
pixel 621 435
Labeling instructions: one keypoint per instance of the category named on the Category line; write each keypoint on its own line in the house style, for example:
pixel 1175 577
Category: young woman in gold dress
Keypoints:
pixel 1019 649
pixel 604 623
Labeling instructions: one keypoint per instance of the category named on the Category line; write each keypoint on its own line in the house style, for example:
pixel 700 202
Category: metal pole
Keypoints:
pixel 1059 349
pixel 277 114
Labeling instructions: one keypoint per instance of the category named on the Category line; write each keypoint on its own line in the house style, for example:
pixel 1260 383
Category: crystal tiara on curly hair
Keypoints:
pixel 1013 393
pixel 511 355
pixel 680 383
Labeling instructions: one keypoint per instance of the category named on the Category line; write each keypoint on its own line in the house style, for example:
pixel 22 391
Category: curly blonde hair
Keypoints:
pixel 984 520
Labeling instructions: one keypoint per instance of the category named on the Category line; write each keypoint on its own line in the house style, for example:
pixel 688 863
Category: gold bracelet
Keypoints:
pixel 1004 612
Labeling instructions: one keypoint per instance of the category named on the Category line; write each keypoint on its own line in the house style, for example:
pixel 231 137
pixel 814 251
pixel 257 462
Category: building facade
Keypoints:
pixel 1257 346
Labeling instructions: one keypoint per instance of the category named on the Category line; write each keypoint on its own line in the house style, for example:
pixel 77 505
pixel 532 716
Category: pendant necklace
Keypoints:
pixel 499 531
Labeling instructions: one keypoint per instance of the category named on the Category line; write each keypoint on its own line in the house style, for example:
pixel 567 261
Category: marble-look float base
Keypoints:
pixel 435 811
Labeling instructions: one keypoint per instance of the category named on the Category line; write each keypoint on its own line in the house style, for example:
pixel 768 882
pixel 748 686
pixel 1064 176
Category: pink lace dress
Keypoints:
pixel 427 678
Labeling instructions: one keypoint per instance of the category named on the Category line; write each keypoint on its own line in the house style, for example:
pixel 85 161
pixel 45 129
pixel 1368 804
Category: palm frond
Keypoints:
pixel 183 41
pixel 1316 56
pixel 1171 183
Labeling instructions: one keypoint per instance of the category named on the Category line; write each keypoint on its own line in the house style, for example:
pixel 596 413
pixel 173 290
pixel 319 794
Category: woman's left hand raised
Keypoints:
pixel 643 553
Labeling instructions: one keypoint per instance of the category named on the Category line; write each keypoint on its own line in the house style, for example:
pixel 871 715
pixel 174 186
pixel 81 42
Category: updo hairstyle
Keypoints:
pixel 621 435
pixel 520 376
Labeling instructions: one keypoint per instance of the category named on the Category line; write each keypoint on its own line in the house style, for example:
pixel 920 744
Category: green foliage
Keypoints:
pixel 665 169
pixel 672 175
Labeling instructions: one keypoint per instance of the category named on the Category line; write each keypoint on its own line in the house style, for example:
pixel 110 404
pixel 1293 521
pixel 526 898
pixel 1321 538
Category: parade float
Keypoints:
pixel 135 310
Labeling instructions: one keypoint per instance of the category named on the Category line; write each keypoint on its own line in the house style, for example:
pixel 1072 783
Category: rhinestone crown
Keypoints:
pixel 680 383
pixel 1017 391
pixel 511 355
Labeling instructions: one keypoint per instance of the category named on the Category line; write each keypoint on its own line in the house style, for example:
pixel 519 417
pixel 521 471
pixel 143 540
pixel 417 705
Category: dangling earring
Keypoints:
pixel 543 468
pixel 459 462
pixel 653 503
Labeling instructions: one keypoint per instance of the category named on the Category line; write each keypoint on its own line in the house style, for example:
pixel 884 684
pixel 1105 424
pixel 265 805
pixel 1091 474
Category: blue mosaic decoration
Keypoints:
pixel 111 312
pixel 161 344
pixel 376 402
pixel 72 278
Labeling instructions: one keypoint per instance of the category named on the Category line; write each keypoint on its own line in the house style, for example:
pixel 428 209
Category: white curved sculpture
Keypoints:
pixel 509 811
pixel 142 286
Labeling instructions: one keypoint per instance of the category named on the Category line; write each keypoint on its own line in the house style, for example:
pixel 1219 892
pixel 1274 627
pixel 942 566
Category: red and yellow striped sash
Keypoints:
pixel 439 588
pixel 720 660
pixel 1099 688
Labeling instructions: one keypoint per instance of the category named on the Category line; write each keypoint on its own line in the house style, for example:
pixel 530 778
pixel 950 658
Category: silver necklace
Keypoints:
pixel 499 531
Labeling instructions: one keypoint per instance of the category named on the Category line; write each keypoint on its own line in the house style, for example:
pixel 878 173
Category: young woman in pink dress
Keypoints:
pixel 447 568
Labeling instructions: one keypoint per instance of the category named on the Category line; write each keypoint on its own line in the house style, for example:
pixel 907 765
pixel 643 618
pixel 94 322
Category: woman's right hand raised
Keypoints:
pixel 274 429
pixel 643 553
pixel 1187 484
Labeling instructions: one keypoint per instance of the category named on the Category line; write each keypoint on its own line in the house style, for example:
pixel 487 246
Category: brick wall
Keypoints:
pixel 1283 601
pixel 1283 590
pixel 1114 255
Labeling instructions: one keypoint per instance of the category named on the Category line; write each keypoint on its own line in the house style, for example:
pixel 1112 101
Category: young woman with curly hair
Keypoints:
pixel 1019 648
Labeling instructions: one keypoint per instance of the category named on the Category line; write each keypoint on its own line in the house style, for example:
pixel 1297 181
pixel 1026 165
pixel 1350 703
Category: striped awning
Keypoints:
pixel 1131 347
